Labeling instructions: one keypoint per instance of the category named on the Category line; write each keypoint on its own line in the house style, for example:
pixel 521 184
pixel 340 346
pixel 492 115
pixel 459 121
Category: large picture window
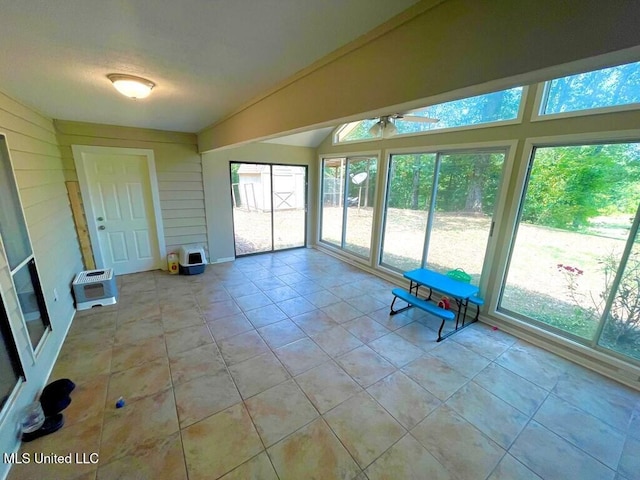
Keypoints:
pixel 571 264
pixel 439 210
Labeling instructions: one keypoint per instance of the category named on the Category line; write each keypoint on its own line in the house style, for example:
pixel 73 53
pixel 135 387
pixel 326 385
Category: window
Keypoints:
pixel 480 110
pixel 17 247
pixel 439 210
pixel 10 366
pixel 348 194
pixel 609 87
pixel 356 131
pixel 572 244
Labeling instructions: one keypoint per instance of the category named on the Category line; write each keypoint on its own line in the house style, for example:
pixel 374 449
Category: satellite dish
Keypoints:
pixel 358 178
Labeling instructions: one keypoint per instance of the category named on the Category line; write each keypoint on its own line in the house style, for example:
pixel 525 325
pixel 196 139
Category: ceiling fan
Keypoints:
pixel 386 123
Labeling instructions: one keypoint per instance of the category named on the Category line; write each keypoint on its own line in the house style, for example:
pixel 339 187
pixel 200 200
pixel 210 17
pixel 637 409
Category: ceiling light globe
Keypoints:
pixel 130 86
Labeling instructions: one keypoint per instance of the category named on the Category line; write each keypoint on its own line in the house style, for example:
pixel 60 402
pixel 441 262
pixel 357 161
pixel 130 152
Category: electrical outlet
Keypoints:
pixel 55 294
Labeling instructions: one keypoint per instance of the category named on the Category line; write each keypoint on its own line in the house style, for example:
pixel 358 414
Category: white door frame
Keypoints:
pixel 78 155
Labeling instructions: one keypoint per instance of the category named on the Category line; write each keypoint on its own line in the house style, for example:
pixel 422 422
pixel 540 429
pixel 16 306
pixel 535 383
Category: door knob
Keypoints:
pixel 102 227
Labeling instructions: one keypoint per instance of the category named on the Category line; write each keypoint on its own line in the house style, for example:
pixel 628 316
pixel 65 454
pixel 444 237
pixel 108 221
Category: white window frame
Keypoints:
pixel 498 123
pixel 491 249
pixel 511 221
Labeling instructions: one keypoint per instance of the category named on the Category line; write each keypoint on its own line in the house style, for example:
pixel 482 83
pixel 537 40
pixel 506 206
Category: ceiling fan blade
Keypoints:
pixel 417 118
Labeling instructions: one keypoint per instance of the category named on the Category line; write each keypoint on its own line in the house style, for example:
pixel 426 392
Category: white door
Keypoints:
pixel 121 212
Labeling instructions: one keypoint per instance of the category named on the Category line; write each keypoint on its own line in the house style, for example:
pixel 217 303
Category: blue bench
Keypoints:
pixel 478 302
pixel 425 305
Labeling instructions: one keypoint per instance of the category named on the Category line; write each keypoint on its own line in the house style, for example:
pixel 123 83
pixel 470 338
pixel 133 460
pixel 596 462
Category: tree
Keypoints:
pixel 569 185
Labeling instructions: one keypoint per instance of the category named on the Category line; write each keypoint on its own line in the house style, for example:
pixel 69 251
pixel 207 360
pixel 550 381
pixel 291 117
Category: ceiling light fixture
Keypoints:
pixel 384 126
pixel 131 86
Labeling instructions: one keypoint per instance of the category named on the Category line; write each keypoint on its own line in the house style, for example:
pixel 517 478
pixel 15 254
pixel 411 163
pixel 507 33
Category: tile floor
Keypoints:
pixel 288 366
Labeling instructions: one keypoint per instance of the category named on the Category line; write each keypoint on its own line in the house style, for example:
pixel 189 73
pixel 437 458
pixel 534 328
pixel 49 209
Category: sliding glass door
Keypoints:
pixel 574 264
pixel 439 210
pixel 348 194
pixel 269 207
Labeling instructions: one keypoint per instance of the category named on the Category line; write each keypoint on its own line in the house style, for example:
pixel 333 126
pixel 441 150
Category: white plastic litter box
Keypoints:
pixel 191 260
pixel 93 288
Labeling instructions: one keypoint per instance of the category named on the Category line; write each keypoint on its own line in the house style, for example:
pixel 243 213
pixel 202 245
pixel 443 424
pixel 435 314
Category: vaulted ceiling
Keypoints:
pixel 207 57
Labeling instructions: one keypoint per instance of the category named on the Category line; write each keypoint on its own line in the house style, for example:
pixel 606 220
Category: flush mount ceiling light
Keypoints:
pixel 131 86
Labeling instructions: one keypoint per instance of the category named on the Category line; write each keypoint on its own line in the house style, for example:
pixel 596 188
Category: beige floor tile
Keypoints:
pixel 301 355
pixel 242 347
pixel 226 327
pixel 396 349
pixel 279 411
pixel 582 430
pixel 602 398
pixel 336 341
pixel 127 428
pixel 407 460
pixel 322 298
pixel 365 328
pixel 342 312
pixel 79 438
pixel 366 303
pixel 205 396
pixel 100 323
pixel 365 366
pixel 79 367
pixel 510 469
pixel 327 385
pixel 217 310
pixel 364 428
pixel 459 446
pixel 87 400
pixel 220 443
pixel 314 322
pixel 176 299
pixel 157 458
pixel 187 339
pixel 281 333
pixel 205 360
pixel 436 376
pixel 312 452
pixel 459 357
pixel 189 317
pixel 488 413
pixel 482 341
pixel 391 322
pixel 129 355
pixel 513 389
pixel 630 460
pixel 258 468
pixel 211 294
pixel 87 343
pixel 138 330
pixel 253 301
pixel 419 335
pixel 281 293
pixel 403 398
pixel 307 287
pixel 552 457
pixel 258 374
pixel 522 361
pixel 138 382
pixel 295 306
pixel 138 311
pixel 265 315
